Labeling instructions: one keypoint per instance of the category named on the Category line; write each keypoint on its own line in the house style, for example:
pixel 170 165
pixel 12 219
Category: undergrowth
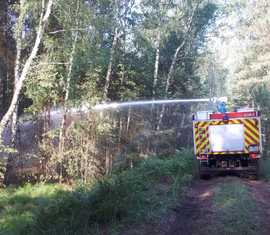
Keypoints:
pixel 236 210
pixel 265 168
pixel 127 196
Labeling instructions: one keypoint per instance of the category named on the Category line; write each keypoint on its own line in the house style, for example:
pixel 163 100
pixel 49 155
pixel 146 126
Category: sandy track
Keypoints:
pixel 197 215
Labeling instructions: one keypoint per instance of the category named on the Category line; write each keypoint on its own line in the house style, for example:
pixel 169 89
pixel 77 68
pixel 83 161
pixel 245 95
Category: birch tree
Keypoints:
pixel 155 30
pixel 44 17
pixel 7 55
pixel 187 32
pixel 18 37
pixel 156 69
pixel 110 64
pixel 67 88
pixel 120 26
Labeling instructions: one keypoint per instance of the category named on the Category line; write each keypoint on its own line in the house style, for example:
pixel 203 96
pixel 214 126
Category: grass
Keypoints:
pixel 236 210
pixel 128 196
pixel 265 168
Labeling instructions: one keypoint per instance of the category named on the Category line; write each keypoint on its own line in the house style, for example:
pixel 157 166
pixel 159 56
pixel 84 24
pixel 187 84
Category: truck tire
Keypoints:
pixel 203 174
pixel 254 175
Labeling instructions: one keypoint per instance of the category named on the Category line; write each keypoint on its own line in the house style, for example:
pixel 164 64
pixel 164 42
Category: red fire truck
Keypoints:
pixel 227 141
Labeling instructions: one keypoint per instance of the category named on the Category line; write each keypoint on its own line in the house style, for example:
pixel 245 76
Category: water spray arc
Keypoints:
pixel 116 105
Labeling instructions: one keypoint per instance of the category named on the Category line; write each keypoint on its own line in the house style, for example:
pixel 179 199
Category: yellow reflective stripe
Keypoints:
pixel 235 121
pixel 253 131
pixel 203 141
pixel 201 144
pixel 251 134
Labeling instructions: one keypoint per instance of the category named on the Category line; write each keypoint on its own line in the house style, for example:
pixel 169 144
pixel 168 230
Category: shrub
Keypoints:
pixel 126 196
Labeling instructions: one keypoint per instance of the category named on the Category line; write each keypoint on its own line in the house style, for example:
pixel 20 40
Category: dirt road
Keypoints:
pixel 223 205
pixel 219 206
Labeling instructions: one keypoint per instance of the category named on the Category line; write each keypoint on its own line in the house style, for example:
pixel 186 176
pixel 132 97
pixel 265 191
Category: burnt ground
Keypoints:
pixel 221 205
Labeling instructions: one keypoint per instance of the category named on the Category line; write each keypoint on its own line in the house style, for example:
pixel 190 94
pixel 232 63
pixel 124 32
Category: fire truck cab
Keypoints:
pixel 227 141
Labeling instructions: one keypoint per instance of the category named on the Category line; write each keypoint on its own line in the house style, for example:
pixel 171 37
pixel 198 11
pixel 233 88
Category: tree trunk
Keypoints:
pixel 62 135
pixel 67 87
pixel 14 127
pixel 173 63
pixel 168 81
pixel 17 74
pixel 109 70
pixel 156 66
pixel 156 69
pixel 19 84
pixel 4 57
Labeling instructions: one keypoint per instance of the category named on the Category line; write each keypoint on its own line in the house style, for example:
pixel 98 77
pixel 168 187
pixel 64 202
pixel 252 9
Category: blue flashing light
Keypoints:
pixel 222 107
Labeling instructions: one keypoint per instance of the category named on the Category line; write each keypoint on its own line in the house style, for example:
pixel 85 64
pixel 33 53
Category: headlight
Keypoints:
pixel 253 148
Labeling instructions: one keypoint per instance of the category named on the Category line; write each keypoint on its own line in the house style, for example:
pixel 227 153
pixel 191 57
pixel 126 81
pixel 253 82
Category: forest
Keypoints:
pixel 78 157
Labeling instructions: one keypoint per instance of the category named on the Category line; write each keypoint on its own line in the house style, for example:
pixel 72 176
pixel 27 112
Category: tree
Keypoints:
pixel 68 83
pixel 7 55
pixel 249 70
pixel 197 15
pixel 45 13
pixel 155 30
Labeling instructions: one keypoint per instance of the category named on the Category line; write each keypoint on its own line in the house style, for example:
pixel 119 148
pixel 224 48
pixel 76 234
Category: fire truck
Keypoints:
pixel 227 141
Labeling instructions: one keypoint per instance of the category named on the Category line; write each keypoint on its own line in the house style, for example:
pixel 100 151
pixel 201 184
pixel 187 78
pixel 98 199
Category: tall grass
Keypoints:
pixel 127 196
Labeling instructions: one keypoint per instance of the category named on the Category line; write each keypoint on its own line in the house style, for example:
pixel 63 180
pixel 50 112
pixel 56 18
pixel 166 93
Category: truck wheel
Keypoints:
pixel 204 175
pixel 254 175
